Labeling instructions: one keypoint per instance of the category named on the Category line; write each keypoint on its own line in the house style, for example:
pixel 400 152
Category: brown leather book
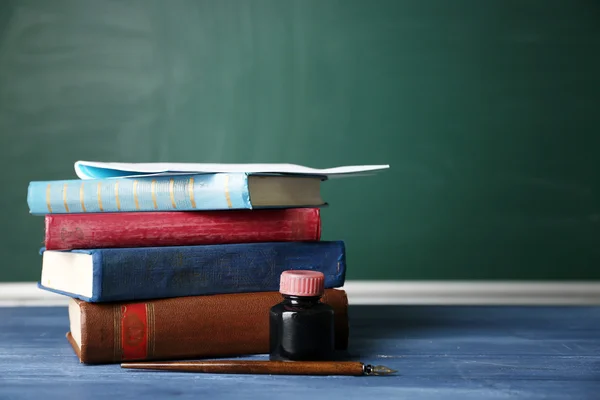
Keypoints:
pixel 183 328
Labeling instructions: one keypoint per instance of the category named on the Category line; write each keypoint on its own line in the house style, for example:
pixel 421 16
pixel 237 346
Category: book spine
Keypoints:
pixel 190 327
pixel 161 193
pixel 159 272
pixel 155 229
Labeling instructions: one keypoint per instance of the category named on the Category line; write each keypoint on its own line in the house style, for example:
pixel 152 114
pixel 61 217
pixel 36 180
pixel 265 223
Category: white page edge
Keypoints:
pixel 144 169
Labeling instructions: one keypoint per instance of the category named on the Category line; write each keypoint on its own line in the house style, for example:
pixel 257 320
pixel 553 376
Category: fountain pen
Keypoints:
pixel 353 368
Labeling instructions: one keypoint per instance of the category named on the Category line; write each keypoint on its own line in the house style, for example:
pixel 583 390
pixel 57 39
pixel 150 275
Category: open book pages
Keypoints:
pixel 98 170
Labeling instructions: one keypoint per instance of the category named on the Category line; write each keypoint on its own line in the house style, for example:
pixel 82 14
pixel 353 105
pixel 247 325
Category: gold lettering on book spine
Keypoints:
pixel 65 197
pixel 48 198
pixel 153 192
pixel 135 197
pixel 151 331
pixel 171 192
pixel 191 191
pixel 99 194
pixel 117 345
pixel 227 196
pixel 117 196
pixel 81 198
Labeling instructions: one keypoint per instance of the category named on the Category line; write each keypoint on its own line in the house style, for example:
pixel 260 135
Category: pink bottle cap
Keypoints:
pixel 302 283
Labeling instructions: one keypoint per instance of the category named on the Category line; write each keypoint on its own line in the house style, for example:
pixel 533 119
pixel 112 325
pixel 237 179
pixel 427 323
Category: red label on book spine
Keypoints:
pixel 134 331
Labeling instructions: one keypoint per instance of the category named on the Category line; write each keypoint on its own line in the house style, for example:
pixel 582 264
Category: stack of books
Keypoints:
pixel 180 265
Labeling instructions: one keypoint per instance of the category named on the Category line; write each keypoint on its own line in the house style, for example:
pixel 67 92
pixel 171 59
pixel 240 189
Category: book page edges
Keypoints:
pixel 74 334
pixel 284 191
pixel 68 272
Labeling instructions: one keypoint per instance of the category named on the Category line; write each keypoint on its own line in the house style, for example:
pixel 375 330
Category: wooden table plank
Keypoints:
pixel 440 352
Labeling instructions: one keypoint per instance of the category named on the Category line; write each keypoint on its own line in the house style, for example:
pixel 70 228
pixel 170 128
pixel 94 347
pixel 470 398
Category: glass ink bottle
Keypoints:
pixel 301 327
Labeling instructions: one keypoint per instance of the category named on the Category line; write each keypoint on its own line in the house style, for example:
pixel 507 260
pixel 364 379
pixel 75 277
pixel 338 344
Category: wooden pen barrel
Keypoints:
pixel 256 367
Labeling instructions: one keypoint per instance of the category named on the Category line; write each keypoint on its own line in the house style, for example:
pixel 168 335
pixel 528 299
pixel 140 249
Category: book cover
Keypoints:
pixel 126 274
pixel 155 229
pixel 183 328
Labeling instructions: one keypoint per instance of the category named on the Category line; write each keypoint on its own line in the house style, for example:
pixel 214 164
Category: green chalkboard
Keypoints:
pixel 488 113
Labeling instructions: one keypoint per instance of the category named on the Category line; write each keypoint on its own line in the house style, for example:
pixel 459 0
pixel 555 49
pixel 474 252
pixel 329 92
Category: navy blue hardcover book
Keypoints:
pixel 129 274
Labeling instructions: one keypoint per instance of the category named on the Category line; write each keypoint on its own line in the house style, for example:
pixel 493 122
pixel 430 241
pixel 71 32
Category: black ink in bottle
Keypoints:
pixel 301 326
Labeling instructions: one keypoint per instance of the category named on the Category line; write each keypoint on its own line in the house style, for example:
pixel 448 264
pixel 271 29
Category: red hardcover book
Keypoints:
pixel 186 228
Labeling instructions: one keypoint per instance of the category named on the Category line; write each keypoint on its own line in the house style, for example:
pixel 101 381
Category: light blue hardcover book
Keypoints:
pixel 219 191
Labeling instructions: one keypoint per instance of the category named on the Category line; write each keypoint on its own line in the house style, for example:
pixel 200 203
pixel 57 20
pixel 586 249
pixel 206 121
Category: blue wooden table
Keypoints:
pixel 440 352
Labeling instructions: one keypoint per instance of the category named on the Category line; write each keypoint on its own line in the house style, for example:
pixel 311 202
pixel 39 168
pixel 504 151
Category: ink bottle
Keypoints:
pixel 301 327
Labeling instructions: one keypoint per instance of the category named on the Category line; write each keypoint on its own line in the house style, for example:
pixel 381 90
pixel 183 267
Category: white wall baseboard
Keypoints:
pixel 394 292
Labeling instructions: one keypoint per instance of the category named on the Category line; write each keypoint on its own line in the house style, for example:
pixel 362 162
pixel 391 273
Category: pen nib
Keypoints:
pixel 378 370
